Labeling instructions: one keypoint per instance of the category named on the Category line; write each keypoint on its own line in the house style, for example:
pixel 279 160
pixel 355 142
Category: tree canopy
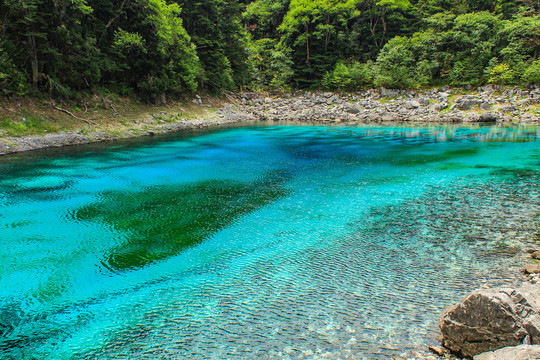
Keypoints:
pixel 153 47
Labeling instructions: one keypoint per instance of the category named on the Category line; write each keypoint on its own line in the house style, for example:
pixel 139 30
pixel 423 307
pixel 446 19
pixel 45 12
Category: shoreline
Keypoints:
pixel 371 107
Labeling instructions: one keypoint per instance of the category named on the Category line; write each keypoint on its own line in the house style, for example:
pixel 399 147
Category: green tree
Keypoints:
pixel 310 28
pixel 216 29
pixel 271 64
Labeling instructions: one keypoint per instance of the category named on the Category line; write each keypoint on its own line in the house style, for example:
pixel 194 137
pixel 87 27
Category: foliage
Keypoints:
pixel 532 74
pixel 348 77
pixel 502 74
pixel 154 48
pixel 398 67
pixel 311 29
pixel 271 64
pixel 12 81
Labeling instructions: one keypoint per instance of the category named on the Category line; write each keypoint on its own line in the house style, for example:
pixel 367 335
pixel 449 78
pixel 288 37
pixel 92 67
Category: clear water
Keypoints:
pixel 260 242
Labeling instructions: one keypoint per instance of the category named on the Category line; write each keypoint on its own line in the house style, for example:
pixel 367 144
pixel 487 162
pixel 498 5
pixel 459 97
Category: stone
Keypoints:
pixel 440 106
pixel 489 117
pixel 528 102
pixel 522 352
pixel 536 255
pixel 423 101
pixel 436 350
pixel 465 103
pixel 489 319
pixel 484 105
pixel 508 109
pixel 411 104
pixel 389 92
pixel 354 108
pixel 532 268
pixel 487 89
pixel 443 95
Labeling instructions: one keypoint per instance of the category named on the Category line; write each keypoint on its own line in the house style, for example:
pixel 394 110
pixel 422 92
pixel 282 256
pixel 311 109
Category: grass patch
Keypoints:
pixel 28 123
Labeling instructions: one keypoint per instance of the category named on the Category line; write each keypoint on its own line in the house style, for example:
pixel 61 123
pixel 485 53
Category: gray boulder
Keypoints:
pixel 484 105
pixel 443 95
pixel 440 106
pixel 389 92
pixel 465 103
pixel 354 108
pixel 522 352
pixel 423 101
pixel 411 104
pixel 488 320
pixel 489 117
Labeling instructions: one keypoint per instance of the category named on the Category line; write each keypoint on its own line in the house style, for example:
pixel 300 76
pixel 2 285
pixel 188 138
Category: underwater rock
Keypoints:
pixel 522 352
pixel 536 255
pixel 488 319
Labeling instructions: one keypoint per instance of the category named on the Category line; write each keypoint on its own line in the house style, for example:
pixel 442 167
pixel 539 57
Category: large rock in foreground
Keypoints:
pixel 522 352
pixel 488 320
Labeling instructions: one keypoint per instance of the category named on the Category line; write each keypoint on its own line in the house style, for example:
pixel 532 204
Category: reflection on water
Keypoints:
pixel 260 242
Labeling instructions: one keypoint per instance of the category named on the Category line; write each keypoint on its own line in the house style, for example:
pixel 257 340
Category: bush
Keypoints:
pixel 349 77
pixel 532 73
pixel 502 73
pixel 398 67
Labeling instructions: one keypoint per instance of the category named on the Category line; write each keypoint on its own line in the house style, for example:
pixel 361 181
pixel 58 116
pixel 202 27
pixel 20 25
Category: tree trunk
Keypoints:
pixel 306 27
pixel 111 21
pixel 383 20
pixel 327 37
pixel 372 27
pixel 32 52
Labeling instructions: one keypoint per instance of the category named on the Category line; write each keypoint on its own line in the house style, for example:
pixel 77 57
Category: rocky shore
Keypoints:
pixel 445 105
pixel 485 104
pixel 11 144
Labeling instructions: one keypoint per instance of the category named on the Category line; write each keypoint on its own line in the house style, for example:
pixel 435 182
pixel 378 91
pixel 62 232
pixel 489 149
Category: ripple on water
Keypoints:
pixel 342 243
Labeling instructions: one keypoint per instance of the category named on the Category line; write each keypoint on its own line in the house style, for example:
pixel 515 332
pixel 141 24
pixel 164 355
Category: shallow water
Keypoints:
pixel 260 242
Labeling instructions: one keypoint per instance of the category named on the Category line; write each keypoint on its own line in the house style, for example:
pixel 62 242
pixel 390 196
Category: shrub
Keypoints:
pixel 532 73
pixel 502 73
pixel 398 67
pixel 349 76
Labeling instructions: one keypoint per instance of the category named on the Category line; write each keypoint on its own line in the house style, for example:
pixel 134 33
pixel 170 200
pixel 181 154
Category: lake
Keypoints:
pixel 260 241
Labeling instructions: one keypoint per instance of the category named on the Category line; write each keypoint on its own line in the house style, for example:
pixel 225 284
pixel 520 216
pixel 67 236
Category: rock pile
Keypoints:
pixel 435 105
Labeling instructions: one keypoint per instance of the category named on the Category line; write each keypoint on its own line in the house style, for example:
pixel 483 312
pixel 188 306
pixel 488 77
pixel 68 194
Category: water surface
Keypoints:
pixel 260 242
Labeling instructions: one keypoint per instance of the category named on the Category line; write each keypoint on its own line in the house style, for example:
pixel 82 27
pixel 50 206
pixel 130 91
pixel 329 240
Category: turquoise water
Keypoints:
pixel 260 242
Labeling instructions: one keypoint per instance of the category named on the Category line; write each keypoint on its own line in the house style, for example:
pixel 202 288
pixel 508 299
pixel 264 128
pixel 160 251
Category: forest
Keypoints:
pixel 147 48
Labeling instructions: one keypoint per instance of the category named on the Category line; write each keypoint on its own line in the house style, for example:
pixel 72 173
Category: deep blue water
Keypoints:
pixel 260 242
